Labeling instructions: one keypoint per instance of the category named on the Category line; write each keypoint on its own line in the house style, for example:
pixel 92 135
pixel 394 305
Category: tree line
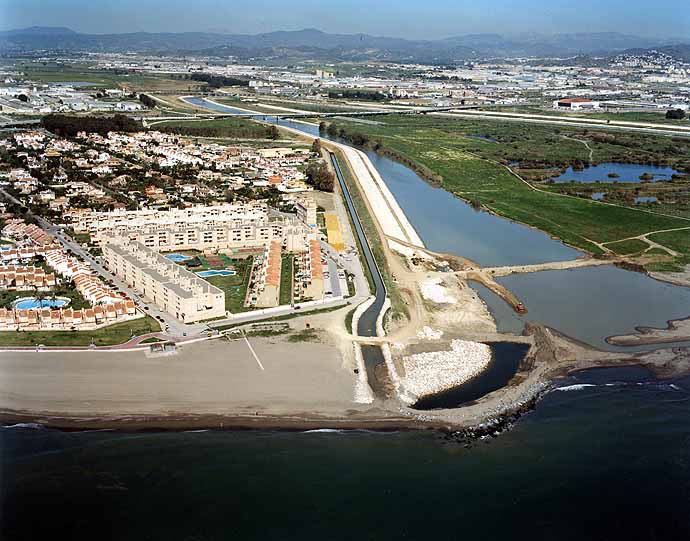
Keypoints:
pixel 675 114
pixel 371 95
pixel 319 176
pixel 147 100
pixel 248 132
pixel 70 126
pixel 218 81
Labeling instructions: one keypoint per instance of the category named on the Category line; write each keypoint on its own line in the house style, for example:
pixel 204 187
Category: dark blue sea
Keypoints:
pixel 605 457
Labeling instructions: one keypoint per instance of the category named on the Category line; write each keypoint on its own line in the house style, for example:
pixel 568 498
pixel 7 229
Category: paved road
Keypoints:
pixel 559 122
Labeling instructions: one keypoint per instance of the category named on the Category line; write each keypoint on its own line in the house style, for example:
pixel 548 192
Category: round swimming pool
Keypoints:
pixel 29 303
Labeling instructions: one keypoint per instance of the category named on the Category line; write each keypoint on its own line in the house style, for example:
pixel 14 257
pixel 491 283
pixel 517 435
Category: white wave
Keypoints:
pixel 324 430
pixel 675 387
pixel 34 426
pixel 577 387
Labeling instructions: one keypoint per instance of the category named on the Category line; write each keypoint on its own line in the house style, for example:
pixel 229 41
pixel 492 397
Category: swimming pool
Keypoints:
pixel 28 303
pixel 207 273
pixel 178 257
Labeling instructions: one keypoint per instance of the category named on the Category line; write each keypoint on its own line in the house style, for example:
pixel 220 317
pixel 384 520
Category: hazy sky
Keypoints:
pixel 426 19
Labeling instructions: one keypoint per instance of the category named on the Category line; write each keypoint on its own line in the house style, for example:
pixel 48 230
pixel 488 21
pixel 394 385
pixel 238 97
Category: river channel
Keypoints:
pixel 587 304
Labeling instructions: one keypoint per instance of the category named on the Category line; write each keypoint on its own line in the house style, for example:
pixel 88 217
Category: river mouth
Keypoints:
pixel 588 304
pixel 505 362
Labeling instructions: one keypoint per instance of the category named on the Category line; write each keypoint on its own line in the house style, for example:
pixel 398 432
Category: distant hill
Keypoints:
pixel 680 51
pixel 314 44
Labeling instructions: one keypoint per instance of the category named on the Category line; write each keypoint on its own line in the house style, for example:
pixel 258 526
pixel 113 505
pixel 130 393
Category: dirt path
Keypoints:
pixel 652 244
pixel 591 150
pixel 538 267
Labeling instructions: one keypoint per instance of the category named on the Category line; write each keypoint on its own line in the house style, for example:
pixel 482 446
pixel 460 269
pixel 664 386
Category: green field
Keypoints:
pixel 52 73
pixel 286 271
pixel 234 287
pixel 627 247
pixel 675 240
pixel 627 116
pixel 107 336
pixel 473 170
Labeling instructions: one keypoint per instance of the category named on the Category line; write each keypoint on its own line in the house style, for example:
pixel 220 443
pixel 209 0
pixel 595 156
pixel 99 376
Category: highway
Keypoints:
pixel 579 123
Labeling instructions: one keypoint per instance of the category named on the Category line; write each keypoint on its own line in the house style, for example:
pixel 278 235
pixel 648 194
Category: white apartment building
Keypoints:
pixel 306 210
pixel 177 291
pixel 223 236
pixel 104 225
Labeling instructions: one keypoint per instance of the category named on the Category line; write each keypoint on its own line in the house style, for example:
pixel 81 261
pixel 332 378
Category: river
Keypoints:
pixel 587 304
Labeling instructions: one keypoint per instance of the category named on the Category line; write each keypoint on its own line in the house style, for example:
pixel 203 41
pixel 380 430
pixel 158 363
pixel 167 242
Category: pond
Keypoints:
pixel 627 172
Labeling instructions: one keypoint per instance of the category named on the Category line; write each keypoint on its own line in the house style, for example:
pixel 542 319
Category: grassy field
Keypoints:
pixel 627 116
pixel 626 247
pixel 235 287
pixel 286 271
pixel 675 240
pixel 52 73
pixel 473 170
pixel 108 336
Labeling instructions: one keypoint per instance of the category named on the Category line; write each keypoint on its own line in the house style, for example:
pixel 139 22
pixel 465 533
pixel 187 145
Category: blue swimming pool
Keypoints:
pixel 178 257
pixel 207 273
pixel 29 303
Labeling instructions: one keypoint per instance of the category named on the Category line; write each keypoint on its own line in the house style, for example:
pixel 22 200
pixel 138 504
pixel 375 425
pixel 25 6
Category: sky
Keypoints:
pixel 413 19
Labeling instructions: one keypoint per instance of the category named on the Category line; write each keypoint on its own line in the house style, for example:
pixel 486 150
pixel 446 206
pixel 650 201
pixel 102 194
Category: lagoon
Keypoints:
pixel 627 172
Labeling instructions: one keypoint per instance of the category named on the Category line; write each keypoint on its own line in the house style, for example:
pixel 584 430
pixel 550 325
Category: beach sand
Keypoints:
pixel 208 378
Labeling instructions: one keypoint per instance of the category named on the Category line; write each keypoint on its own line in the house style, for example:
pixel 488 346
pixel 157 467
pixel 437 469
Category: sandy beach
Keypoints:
pixel 216 377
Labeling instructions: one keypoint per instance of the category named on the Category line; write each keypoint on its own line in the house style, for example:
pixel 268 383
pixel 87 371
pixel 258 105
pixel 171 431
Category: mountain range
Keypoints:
pixel 315 44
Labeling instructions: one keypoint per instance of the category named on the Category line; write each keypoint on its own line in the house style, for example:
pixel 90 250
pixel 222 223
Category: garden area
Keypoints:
pixel 107 336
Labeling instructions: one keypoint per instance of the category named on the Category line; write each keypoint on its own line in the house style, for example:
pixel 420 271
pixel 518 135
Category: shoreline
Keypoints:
pixel 677 330
pixel 495 411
